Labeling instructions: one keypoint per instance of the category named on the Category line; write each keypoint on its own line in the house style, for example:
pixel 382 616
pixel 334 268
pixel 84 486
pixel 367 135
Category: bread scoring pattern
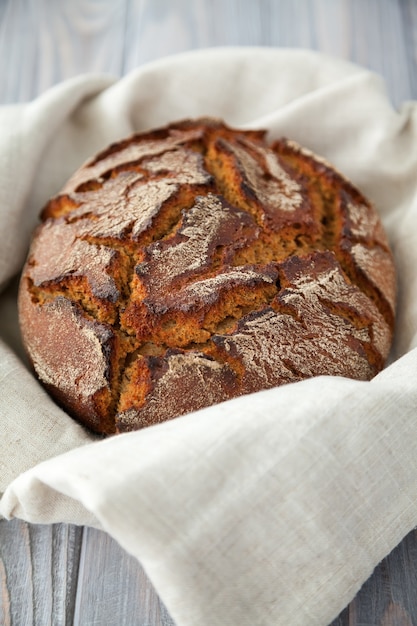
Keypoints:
pixel 194 263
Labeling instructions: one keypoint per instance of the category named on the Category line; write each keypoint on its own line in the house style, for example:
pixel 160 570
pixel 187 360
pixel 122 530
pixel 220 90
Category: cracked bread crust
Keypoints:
pixel 191 264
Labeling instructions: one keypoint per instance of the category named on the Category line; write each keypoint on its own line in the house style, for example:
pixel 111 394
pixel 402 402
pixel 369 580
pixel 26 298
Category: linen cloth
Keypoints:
pixel 273 508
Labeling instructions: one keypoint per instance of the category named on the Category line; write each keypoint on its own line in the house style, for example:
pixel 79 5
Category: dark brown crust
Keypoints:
pixel 195 263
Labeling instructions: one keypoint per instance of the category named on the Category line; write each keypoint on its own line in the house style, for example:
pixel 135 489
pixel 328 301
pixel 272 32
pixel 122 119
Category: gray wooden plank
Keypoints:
pixel 378 34
pixel 17 580
pixel 367 32
pixel 379 43
pixel 43 42
pixel 46 43
pixel 38 573
pixel 409 18
pixel 388 598
pixel 112 583
pixel 39 566
pixel 66 549
pixel 4 597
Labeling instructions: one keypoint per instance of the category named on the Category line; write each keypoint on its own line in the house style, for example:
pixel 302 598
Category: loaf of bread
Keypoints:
pixel 194 263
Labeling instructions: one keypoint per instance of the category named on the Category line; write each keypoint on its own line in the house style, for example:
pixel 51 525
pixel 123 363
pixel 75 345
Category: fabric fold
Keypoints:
pixel 291 502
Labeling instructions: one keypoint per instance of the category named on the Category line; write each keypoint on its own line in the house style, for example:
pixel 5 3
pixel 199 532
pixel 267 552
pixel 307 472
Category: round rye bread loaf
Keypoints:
pixel 194 263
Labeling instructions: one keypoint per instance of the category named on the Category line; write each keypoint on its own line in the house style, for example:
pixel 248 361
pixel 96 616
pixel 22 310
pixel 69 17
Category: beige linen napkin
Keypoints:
pixel 268 509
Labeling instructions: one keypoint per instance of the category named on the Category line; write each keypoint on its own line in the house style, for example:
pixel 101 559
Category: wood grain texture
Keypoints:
pixel 42 43
pixel 368 32
pixel 68 575
pixel 38 573
pixel 120 585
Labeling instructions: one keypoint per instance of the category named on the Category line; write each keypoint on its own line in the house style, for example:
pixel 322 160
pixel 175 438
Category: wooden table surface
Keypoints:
pixel 64 574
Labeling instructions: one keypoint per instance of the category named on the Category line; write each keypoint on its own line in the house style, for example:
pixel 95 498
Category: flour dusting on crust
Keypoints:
pixel 195 263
